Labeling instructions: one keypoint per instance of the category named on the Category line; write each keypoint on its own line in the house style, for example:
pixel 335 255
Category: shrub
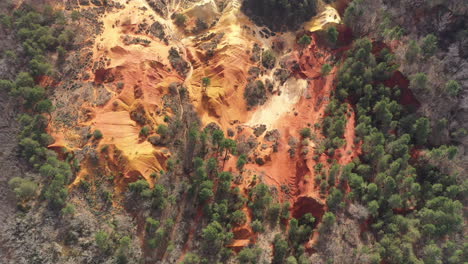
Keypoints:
pixel 291 260
pixel 422 129
pixel 206 191
pixel 200 26
pixel 153 243
pixel 281 249
pixel 241 162
pixel 151 225
pixel 39 66
pixel 255 93
pixel 159 195
pixel 239 217
pixel 102 240
pixel 249 255
pixel 97 134
pixel 453 88
pixel 138 186
pixel 180 20
pixel 419 82
pixel 373 207
pixel 306 132
pixel 334 199
pixel 268 59
pixel 191 258
pixel 6 85
pixel 57 192
pixel 326 69
pixel 429 45
pixel 206 81
pixel 412 52
pixel 44 106
pixel 69 209
pixel 163 130
pixel 332 35
pixel 285 214
pixel 261 199
pixel 75 15
pixel 305 40
pixel 145 131
pixel 121 258
pixel 257 226
pixel 328 220
pixel 215 237
pixel 105 148
pixel 217 137
pixel 24 189
pixel 274 212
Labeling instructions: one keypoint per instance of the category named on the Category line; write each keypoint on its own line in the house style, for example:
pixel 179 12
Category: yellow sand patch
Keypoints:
pixel 119 130
pixel 319 22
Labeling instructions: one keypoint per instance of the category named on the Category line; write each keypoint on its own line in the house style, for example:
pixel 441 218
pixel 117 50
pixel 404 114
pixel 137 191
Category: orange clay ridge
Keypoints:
pixel 138 75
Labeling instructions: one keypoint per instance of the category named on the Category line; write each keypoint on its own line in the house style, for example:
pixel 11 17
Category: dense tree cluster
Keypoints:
pixel 384 177
pixel 292 13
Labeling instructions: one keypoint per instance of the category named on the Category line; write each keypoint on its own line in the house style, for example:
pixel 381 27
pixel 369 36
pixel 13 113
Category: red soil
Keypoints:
pixel 345 36
pixel 46 81
pixel 341 6
pixel 403 211
pixel 416 153
pixel 298 172
pixel 407 97
pixel 293 177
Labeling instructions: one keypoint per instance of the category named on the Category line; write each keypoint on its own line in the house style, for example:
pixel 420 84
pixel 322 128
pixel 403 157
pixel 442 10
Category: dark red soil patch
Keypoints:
pixel 407 97
pixel 304 205
pixel 103 75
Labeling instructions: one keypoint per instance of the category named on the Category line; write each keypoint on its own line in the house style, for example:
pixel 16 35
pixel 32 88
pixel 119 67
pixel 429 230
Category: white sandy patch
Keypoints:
pixel 278 105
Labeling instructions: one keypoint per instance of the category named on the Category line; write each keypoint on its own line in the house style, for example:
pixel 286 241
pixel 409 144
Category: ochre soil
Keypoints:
pixel 137 77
